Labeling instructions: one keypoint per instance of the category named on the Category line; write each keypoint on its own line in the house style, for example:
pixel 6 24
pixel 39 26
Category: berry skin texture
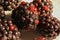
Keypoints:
pixel 41 38
pixel 32 8
pixel 12 27
pixel 23 3
pixel 36 22
pixel 44 8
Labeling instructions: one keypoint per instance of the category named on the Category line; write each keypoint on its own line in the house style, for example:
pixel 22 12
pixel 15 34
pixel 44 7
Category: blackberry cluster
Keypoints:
pixel 25 16
pixel 8 31
pixel 37 15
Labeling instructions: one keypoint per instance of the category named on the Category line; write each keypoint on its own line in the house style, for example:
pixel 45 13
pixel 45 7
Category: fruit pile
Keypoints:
pixel 37 15
pixel 8 31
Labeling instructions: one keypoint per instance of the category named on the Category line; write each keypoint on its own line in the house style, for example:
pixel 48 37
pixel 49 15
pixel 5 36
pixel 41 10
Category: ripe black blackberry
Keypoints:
pixel 25 16
pixel 44 6
pixel 48 26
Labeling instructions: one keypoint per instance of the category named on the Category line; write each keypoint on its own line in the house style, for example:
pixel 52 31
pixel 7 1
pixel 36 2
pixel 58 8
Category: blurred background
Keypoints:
pixel 56 13
pixel 56 9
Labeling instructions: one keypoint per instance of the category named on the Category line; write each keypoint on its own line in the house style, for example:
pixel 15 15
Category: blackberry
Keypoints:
pixel 25 16
pixel 48 26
